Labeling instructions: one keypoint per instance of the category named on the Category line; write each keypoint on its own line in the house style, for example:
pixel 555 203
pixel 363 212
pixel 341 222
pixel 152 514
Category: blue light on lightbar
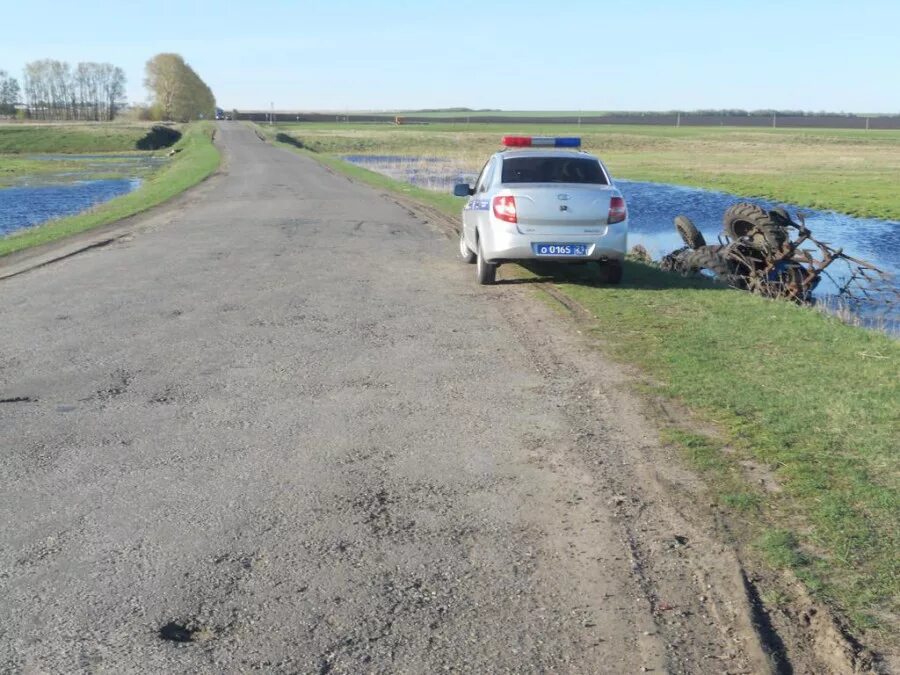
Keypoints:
pixel 570 142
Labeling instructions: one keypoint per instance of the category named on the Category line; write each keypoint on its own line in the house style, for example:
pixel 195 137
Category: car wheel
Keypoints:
pixel 464 251
pixel 485 271
pixel 611 272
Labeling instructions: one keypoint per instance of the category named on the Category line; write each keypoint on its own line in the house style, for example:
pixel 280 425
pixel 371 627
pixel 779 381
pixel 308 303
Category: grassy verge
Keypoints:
pixel 807 399
pixel 70 138
pixel 197 160
pixel 849 171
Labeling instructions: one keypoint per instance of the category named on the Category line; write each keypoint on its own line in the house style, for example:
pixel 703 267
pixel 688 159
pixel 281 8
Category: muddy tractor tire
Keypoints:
pixel 689 233
pixel 709 258
pixel 780 216
pixel 754 222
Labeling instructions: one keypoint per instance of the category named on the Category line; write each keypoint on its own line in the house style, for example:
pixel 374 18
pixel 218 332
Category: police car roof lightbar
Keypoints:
pixel 541 142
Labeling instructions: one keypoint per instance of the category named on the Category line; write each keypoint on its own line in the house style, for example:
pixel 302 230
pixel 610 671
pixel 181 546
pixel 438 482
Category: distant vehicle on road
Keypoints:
pixel 541 198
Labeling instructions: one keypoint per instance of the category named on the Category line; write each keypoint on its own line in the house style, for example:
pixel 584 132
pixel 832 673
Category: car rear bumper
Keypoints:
pixel 503 246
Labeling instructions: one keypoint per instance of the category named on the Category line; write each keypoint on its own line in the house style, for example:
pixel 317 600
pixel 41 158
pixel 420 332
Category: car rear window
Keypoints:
pixel 552 170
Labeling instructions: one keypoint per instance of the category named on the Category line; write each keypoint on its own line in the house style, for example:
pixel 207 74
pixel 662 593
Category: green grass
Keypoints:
pixel 851 171
pixel 797 392
pixel 70 138
pixel 812 399
pixel 13 166
pixel 197 160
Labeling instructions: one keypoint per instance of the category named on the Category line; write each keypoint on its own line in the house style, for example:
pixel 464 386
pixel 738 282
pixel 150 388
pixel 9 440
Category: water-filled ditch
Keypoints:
pixel 33 199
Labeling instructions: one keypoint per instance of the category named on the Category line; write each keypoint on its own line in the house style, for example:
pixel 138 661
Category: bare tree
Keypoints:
pixel 92 91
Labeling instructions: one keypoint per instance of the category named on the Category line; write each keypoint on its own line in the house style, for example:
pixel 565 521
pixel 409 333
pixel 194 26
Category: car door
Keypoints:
pixel 477 210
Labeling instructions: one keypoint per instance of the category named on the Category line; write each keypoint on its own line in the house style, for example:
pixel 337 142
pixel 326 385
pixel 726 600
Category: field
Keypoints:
pixel 197 160
pixel 70 138
pixel 808 401
pixel 854 172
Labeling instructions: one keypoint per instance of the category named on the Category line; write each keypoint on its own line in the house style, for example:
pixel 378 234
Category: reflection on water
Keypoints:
pixel 22 207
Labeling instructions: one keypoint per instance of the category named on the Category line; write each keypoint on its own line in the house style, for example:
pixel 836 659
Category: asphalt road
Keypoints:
pixel 281 428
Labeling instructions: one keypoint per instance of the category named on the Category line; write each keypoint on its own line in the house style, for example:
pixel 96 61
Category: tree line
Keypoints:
pixel 55 90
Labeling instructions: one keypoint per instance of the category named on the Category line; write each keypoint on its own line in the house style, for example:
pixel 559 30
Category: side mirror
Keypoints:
pixel 462 190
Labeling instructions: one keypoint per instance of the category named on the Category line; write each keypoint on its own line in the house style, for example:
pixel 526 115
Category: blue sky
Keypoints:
pixel 565 55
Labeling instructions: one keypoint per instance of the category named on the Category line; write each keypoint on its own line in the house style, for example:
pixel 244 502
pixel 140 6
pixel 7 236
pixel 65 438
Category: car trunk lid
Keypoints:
pixel 558 209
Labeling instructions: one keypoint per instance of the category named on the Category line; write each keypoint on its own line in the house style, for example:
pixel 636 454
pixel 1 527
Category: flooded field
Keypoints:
pixel 69 184
pixel 22 207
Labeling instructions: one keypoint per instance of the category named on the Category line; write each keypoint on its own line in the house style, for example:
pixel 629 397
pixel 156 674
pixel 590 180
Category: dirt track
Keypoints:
pixel 281 428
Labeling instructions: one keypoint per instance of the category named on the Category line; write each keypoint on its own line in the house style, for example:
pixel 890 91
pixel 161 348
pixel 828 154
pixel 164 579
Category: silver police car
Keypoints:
pixel 542 198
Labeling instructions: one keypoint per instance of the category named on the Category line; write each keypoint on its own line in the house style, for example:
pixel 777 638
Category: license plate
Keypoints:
pixel 574 250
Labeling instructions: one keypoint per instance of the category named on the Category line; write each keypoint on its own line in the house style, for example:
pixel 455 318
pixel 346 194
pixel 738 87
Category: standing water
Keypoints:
pixel 22 207
pixel 653 206
pixel 35 199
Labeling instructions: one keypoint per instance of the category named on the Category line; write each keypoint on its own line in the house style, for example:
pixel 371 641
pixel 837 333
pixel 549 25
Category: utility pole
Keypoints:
pixel 678 120
pixel 272 114
pixel 774 114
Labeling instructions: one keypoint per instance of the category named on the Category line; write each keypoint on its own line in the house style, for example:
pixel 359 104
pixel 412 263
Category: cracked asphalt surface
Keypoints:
pixel 280 428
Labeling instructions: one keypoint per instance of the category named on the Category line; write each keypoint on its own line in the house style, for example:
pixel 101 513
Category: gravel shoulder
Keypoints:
pixel 280 428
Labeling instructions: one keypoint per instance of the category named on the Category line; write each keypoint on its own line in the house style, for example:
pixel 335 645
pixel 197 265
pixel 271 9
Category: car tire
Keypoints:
pixel 464 251
pixel 485 272
pixel 691 236
pixel 611 272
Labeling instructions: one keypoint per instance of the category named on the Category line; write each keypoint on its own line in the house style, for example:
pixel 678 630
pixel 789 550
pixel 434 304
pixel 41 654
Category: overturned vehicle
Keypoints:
pixel 772 254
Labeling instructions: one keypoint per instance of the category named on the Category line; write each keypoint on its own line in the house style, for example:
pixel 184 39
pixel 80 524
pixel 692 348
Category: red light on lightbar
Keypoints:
pixel 517 141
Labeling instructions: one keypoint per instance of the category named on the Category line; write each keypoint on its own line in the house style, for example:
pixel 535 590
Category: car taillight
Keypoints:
pixel 505 208
pixel 617 212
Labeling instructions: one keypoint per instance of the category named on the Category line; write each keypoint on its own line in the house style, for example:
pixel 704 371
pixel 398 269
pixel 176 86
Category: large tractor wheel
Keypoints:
pixel 710 258
pixel 752 221
pixel 780 216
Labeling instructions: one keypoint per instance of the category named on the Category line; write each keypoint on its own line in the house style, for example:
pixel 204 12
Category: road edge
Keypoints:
pixel 823 634
pixel 41 255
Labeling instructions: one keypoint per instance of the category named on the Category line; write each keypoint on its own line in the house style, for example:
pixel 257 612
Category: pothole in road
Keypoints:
pixel 188 631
